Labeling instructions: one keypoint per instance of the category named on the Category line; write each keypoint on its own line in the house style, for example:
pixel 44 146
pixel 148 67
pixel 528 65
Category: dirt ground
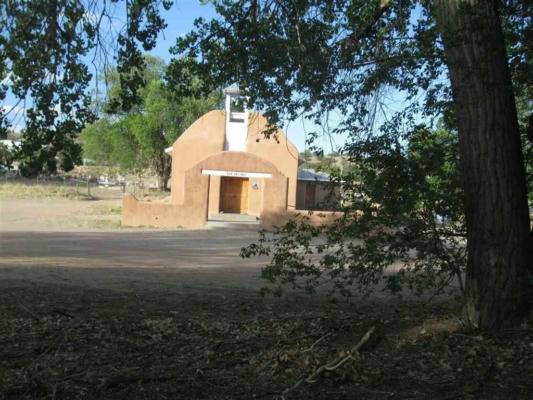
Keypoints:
pixel 92 311
pixel 58 215
pixel 59 242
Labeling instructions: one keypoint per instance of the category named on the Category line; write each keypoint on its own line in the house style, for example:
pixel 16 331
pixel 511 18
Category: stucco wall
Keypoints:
pixel 205 137
pixel 202 139
pixel 255 196
pixel 191 214
pixel 214 201
pixel 278 150
pixel 159 215
pixel 271 197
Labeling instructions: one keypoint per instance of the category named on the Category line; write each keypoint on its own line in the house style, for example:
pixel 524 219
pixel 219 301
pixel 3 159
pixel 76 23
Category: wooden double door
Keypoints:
pixel 234 195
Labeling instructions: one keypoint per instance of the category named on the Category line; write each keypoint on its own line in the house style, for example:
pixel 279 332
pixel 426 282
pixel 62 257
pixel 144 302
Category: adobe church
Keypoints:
pixel 224 165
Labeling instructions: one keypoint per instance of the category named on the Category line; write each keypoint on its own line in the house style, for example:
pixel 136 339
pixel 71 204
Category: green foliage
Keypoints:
pixel 403 207
pixel 44 46
pixel 314 57
pixel 6 156
pixel 139 139
pixel 152 69
pixel 111 144
pixel 525 121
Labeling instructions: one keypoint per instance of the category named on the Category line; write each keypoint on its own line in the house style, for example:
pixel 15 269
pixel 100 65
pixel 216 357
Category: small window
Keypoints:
pixel 236 117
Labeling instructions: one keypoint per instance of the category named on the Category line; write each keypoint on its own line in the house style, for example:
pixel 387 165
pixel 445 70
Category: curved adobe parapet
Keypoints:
pixel 200 140
pixel 277 148
pixel 205 137
pixel 271 194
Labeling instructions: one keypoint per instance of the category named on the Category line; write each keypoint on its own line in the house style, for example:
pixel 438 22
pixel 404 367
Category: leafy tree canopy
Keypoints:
pixel 403 206
pixel 6 156
pixel 44 51
pixel 136 139
pixel 312 57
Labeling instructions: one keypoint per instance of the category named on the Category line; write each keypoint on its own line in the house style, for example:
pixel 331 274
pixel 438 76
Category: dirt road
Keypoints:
pixel 53 242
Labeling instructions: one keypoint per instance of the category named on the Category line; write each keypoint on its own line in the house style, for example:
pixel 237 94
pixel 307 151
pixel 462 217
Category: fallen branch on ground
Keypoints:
pixel 332 365
pixel 317 342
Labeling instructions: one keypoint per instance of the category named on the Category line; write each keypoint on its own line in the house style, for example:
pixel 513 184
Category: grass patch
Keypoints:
pixel 66 343
pixel 106 210
pixel 9 190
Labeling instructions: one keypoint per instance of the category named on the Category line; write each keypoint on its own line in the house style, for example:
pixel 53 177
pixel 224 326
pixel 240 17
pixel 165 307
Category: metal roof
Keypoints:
pixel 312 175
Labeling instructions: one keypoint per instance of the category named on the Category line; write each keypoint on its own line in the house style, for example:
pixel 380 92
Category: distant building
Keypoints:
pixel 223 164
pixel 314 190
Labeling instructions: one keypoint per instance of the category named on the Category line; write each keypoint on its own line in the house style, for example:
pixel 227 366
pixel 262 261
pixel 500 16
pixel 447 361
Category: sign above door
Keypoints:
pixel 237 174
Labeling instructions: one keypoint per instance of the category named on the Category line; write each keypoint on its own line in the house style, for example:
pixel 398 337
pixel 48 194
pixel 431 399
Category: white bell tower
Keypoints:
pixel 236 119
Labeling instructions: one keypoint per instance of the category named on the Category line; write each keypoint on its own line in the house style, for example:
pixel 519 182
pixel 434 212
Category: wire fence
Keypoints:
pixel 86 186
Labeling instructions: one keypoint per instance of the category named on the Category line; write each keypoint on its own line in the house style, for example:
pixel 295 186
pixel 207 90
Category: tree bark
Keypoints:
pixel 497 219
pixel 163 168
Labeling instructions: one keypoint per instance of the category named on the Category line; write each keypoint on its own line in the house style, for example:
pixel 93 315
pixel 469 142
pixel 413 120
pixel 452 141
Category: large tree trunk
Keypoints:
pixel 497 220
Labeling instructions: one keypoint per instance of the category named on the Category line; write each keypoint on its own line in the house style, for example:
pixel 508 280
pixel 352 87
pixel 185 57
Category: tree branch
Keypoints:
pixel 332 365
pixel 364 31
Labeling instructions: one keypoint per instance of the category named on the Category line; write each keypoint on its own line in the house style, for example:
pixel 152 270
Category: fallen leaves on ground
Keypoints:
pixel 65 344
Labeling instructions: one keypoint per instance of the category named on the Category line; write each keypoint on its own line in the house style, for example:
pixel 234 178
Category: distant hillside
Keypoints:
pixel 326 163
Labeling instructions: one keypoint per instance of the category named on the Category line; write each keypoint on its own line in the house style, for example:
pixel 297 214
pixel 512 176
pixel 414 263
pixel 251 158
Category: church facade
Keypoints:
pixel 224 164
